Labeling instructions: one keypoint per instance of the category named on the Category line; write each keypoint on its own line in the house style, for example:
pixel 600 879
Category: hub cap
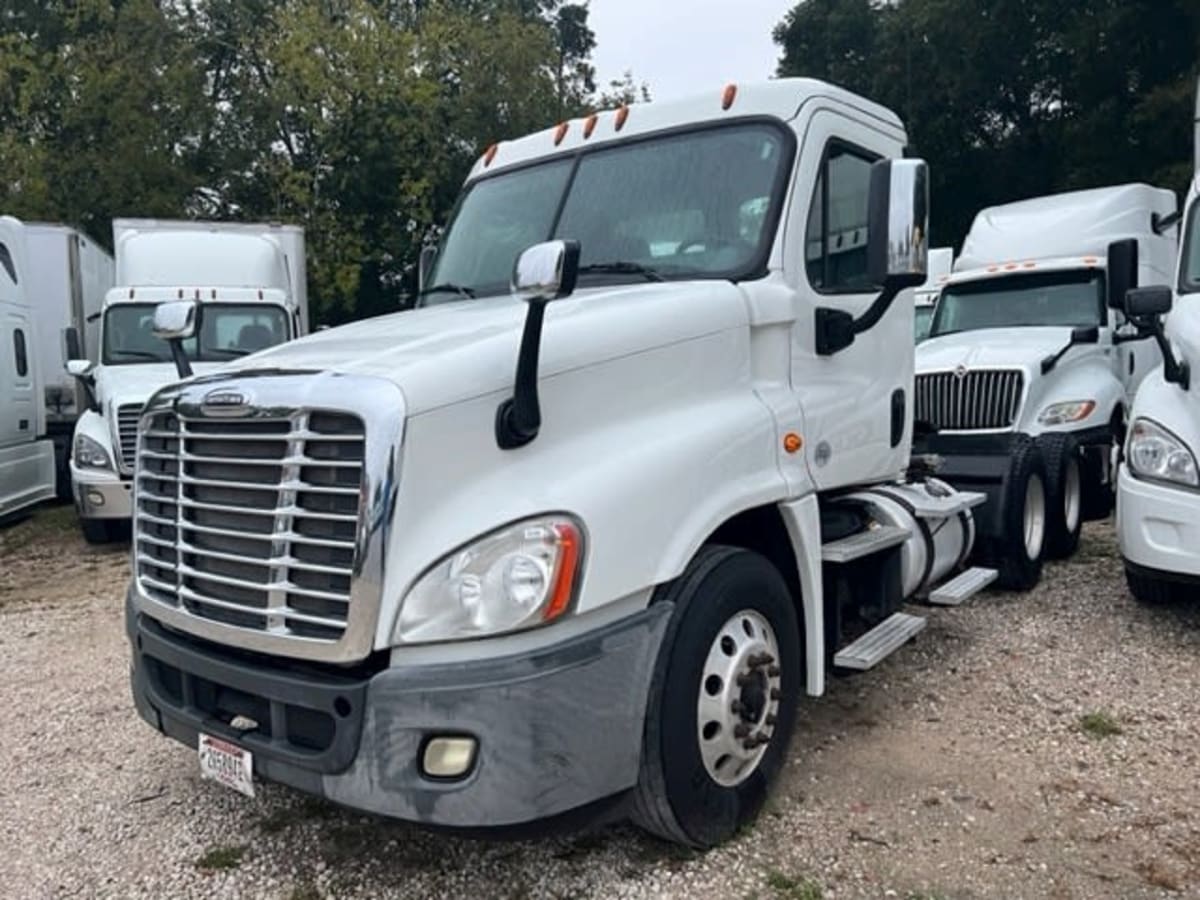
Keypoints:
pixel 1072 490
pixel 1035 516
pixel 738 698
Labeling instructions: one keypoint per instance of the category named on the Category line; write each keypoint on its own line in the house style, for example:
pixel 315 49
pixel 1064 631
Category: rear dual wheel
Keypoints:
pixel 723 700
pixel 1064 493
pixel 1018 550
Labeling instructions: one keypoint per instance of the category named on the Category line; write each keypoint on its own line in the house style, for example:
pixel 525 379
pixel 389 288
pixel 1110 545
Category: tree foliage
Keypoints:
pixel 357 119
pixel 1015 98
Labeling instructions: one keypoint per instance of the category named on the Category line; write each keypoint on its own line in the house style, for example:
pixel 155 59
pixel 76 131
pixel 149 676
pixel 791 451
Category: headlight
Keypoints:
pixel 1070 411
pixel 1156 453
pixel 89 454
pixel 515 578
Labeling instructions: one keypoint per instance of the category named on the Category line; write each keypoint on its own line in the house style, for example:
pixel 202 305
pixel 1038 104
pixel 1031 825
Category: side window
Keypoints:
pixel 835 244
pixel 19 353
pixel 7 264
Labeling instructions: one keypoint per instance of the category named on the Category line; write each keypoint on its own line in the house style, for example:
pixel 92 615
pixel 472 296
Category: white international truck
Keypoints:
pixel 248 280
pixel 941 263
pixel 574 537
pixel 1158 484
pixel 26 451
pixel 1030 364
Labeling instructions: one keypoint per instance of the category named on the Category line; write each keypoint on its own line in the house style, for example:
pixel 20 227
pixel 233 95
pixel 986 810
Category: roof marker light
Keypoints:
pixel 1090 260
pixel 622 115
pixel 490 154
pixel 561 132
pixel 993 268
pixel 1008 267
pixel 590 125
pixel 728 96
pixel 1030 264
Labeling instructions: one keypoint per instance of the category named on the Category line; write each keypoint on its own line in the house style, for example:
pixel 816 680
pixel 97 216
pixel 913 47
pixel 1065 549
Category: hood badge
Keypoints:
pixel 960 371
pixel 225 402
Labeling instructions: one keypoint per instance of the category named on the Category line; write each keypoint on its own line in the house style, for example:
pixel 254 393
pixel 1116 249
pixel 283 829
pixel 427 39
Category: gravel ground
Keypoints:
pixel 1042 745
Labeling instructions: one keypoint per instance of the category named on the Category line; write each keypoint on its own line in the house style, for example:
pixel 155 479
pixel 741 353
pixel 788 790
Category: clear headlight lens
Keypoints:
pixel 1156 453
pixel 88 454
pixel 1068 411
pixel 512 579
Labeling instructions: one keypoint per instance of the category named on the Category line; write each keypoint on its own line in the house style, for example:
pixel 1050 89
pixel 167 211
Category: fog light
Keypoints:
pixel 448 757
pixel 95 498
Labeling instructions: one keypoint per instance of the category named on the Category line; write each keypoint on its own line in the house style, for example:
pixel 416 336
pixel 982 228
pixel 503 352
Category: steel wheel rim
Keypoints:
pixel 1072 495
pixel 1035 516
pixel 738 698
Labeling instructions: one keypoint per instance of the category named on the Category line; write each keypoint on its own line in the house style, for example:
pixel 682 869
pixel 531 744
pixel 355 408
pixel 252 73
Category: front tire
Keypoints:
pixel 1018 550
pixel 1064 494
pixel 99 531
pixel 723 700
pixel 1149 590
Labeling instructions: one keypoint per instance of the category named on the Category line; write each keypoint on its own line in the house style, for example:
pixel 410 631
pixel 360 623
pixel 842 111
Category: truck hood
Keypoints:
pixel 452 352
pixel 991 348
pixel 128 384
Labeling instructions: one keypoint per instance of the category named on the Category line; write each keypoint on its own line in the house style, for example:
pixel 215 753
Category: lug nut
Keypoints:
pixel 773 671
pixel 736 707
pixel 740 731
pixel 775 693
pixel 770 720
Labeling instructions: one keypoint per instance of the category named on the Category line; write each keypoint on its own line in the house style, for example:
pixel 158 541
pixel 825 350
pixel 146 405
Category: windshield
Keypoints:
pixel 922 321
pixel 1189 270
pixel 695 205
pixel 1072 298
pixel 226 331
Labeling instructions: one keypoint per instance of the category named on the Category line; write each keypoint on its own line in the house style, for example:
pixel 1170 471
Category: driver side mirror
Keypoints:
pixel 546 271
pixel 1148 302
pixel 898 223
pixel 1122 271
pixel 79 368
pixel 175 322
pixel 1085 334
pixel 424 265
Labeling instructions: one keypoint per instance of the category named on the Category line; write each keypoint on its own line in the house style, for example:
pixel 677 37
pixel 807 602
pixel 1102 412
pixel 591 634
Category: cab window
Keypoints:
pixel 835 245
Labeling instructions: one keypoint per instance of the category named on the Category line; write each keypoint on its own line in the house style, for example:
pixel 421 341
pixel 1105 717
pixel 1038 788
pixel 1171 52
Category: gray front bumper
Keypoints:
pixel 558 728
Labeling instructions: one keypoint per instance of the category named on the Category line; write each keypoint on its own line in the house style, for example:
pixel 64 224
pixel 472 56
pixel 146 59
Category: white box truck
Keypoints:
pixel 941 263
pixel 26 453
pixel 249 283
pixel 377 565
pixel 68 276
pixel 1030 366
pixel 1158 485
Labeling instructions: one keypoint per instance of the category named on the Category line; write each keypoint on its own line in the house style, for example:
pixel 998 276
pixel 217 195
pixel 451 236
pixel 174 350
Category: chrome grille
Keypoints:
pixel 127 426
pixel 251 522
pixel 974 400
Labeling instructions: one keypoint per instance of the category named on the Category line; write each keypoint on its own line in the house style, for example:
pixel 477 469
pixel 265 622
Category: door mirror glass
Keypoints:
pixel 424 265
pixel 1122 271
pixel 72 346
pixel 1148 302
pixel 175 320
pixel 79 368
pixel 898 223
pixel 546 271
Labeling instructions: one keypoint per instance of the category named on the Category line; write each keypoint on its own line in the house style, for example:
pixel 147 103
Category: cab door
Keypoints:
pixel 18 410
pixel 856 402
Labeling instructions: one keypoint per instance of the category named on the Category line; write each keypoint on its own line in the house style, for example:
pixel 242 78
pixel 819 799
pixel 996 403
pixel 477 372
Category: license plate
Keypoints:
pixel 227 764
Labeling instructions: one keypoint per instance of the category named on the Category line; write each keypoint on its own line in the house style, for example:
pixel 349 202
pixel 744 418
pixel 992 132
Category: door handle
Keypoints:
pixel 1131 361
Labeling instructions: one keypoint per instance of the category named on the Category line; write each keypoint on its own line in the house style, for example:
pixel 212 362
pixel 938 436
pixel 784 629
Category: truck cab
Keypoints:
pixel 575 536
pixel 240 279
pixel 925 296
pixel 1029 349
pixel 1158 507
pixel 26 455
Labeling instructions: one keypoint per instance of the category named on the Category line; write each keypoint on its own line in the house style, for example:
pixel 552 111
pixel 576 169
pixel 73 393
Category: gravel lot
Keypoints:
pixel 1042 745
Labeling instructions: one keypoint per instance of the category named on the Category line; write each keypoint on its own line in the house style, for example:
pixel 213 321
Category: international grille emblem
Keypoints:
pixel 960 371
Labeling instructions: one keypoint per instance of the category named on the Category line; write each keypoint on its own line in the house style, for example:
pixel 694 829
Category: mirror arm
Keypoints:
pixel 1174 371
pixel 836 328
pixel 88 383
pixel 1160 224
pixel 519 418
pixel 182 364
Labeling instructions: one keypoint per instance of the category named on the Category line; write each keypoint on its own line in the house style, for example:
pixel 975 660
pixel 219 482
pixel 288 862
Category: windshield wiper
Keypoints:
pixel 621 267
pixel 139 354
pixel 448 288
pixel 230 351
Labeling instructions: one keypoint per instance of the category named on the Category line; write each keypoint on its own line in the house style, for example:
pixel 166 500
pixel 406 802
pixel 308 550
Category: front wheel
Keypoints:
pixel 1150 590
pixel 1064 494
pixel 723 701
pixel 1018 550
pixel 100 531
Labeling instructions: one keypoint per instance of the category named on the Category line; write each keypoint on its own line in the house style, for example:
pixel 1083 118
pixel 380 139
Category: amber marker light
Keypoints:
pixel 622 115
pixel 561 132
pixel 590 125
pixel 792 442
pixel 728 96
pixel 564 575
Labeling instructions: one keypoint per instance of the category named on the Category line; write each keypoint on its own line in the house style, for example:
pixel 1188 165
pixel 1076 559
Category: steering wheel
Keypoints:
pixel 708 243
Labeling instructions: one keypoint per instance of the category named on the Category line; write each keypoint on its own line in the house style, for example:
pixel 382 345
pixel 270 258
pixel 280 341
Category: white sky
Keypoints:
pixel 680 47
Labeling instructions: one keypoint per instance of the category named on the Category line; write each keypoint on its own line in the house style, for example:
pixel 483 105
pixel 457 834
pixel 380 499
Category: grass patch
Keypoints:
pixel 220 859
pixel 789 887
pixel 1099 725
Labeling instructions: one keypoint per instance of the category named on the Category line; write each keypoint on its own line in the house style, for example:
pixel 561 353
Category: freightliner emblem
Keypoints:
pixel 224 402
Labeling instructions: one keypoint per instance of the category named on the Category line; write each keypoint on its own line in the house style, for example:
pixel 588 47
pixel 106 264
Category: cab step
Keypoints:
pixel 929 507
pixel 880 642
pixel 962 587
pixel 864 543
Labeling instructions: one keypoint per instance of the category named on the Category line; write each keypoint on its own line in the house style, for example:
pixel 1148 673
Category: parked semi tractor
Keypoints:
pixel 941 262
pixel 1030 363
pixel 26 451
pixel 248 281
pixel 577 534
pixel 1158 493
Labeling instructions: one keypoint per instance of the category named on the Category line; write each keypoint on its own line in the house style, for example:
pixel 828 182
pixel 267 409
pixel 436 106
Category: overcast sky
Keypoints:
pixel 680 47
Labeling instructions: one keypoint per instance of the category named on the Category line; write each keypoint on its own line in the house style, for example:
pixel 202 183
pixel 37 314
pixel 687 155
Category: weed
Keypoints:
pixel 788 887
pixel 1099 725
pixel 221 858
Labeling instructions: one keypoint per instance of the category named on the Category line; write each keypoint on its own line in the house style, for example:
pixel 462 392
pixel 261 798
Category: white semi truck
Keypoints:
pixel 1030 364
pixel 941 263
pixel 377 565
pixel 1158 485
pixel 249 283
pixel 26 450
